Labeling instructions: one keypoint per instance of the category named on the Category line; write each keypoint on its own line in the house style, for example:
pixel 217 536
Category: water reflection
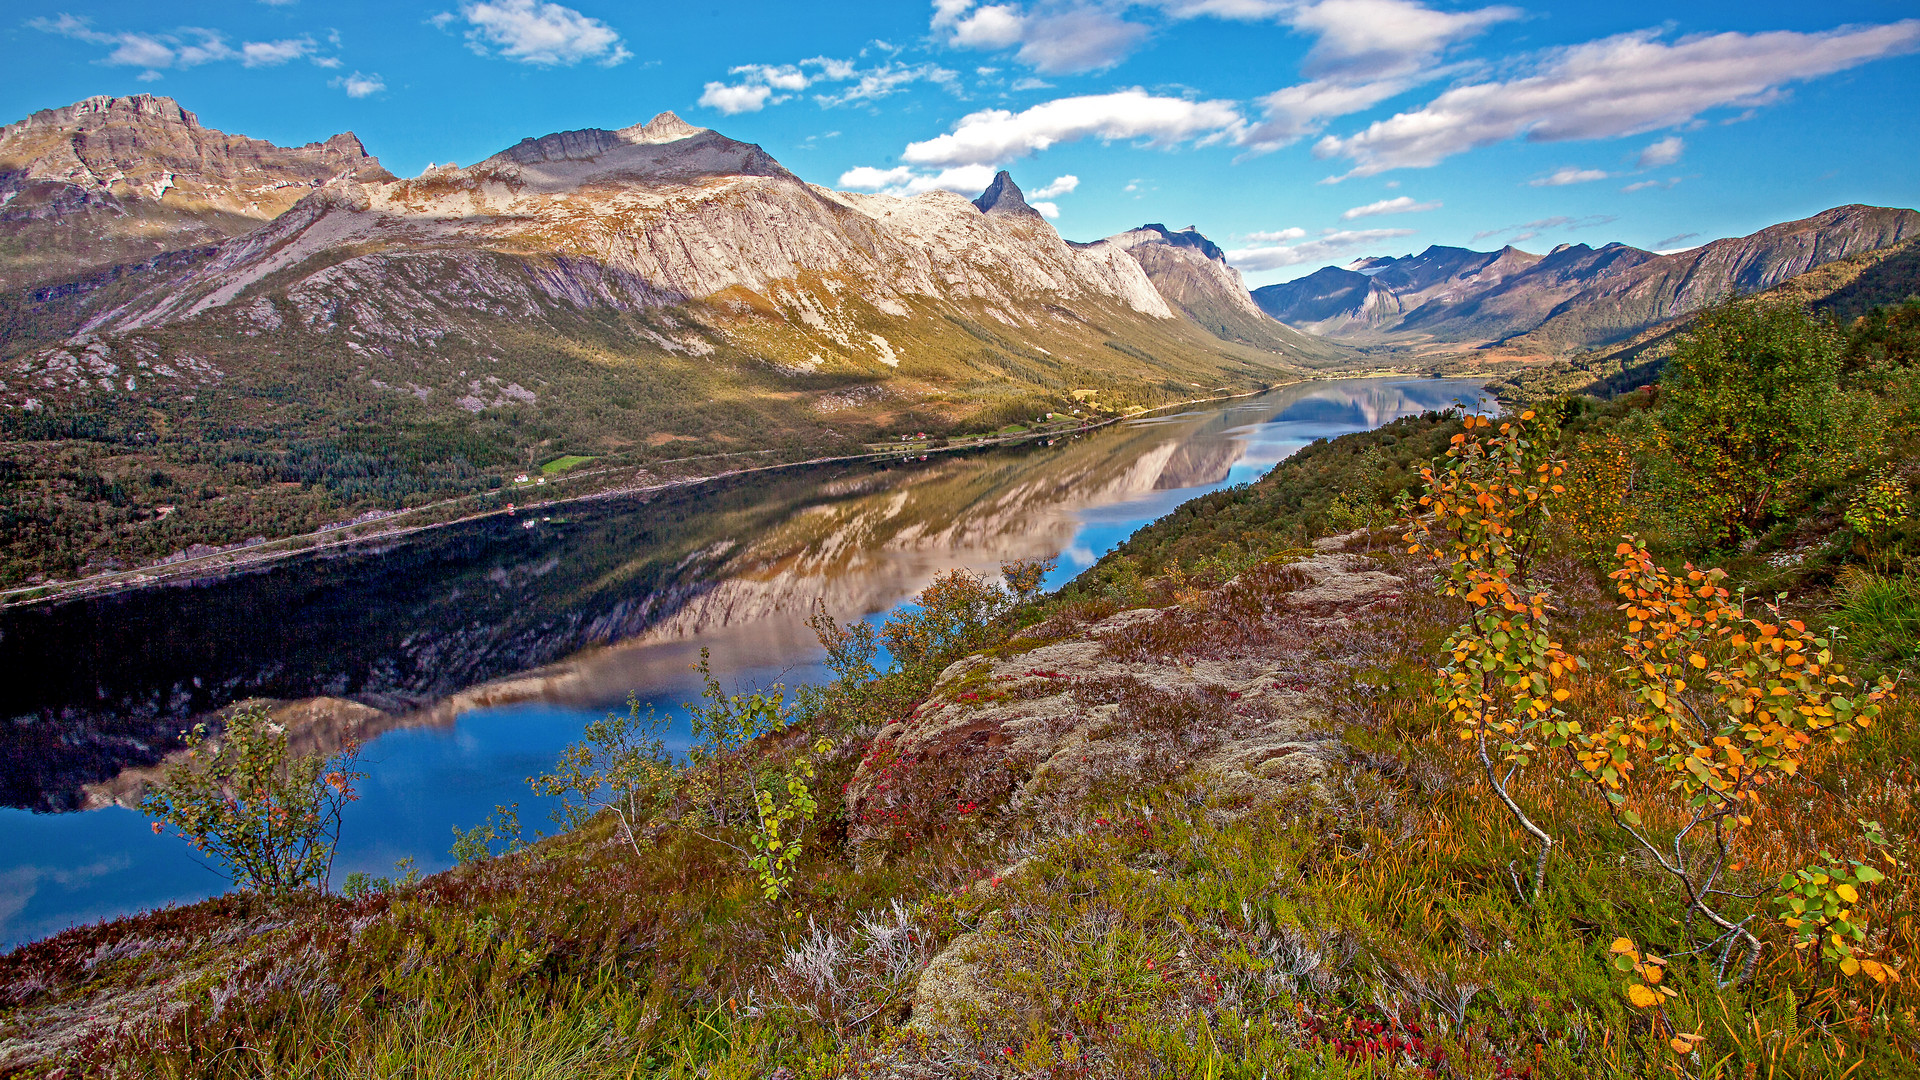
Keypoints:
pixel 523 633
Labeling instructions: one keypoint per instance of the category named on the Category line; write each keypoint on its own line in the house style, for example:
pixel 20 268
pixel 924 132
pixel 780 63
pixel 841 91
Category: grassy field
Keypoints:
pixel 562 464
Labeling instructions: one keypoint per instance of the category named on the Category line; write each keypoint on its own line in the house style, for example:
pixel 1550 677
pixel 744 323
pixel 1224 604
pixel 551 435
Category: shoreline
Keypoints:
pixel 240 559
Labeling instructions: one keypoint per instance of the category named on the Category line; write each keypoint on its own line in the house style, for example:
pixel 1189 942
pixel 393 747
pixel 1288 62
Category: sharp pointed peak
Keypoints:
pixel 1003 196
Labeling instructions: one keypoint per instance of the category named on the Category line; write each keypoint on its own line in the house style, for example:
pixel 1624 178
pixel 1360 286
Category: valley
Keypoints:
pixel 618 608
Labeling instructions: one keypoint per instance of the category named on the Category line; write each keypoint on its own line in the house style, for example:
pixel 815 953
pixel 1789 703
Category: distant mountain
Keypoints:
pixel 119 179
pixel 1844 289
pixel 1575 297
pixel 1191 272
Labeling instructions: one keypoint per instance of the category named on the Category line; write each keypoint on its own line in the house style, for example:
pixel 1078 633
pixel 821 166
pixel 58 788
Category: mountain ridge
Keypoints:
pixel 1193 274
pixel 111 180
pixel 1574 297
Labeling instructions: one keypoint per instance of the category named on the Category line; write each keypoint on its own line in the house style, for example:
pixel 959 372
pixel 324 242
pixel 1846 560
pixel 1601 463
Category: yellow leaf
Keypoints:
pixel 1622 945
pixel 1699 661
pixel 1848 893
pixel 1850 966
pixel 1642 997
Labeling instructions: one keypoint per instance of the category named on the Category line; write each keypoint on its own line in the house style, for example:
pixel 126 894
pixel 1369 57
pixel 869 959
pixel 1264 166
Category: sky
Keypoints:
pixel 1294 133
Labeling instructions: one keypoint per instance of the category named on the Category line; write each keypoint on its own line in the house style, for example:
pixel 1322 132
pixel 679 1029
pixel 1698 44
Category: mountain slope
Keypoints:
pixel 1613 308
pixel 660 292
pixel 1191 272
pixel 114 180
pixel 1575 297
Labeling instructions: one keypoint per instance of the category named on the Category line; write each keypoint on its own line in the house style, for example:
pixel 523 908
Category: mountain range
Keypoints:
pixel 206 337
pixel 694 244
pixel 1574 297
pixel 656 292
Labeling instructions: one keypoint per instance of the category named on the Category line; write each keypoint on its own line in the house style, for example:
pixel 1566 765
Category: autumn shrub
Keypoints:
pixel 1595 510
pixel 241 798
pixel 954 615
pixel 620 766
pixel 1483 519
pixel 1723 703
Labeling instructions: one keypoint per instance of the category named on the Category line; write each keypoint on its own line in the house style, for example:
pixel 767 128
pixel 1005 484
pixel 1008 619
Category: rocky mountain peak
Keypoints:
pixel 1189 237
pixel 101 110
pixel 1003 197
pixel 665 128
pixel 119 179
pixel 586 144
pixel 664 150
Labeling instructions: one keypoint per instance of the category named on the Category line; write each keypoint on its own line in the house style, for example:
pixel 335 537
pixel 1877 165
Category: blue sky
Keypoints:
pixel 1295 133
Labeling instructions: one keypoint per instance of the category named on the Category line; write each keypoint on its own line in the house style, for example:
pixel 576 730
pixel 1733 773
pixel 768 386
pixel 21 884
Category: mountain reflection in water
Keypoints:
pixel 607 597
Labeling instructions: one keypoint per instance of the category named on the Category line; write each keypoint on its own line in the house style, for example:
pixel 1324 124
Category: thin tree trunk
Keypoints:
pixel 1539 834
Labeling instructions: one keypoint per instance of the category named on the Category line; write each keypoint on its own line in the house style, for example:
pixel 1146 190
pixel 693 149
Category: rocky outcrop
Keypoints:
pixel 117 179
pixel 1573 297
pixel 1218 691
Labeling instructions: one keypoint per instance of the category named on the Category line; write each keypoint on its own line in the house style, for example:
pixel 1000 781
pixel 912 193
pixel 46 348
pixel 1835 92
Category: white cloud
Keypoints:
pixel 993 27
pixel 761 85
pixel 359 86
pixel 997 135
pixel 1616 86
pixel 876 83
pixel 1298 111
pixel 1665 152
pixel 544 34
pixel 1047 210
pixel 1329 244
pixel 1672 243
pixel 868 178
pixel 1055 39
pixel 1062 185
pixel 903 180
pixel 139 50
pixel 1377 38
pixel 273 53
pixel 1366 52
pixel 1278 236
pixel 188 47
pixel 1645 185
pixel 1534 228
pixel 1078 41
pixel 1569 174
pixel 736 99
pixel 1401 205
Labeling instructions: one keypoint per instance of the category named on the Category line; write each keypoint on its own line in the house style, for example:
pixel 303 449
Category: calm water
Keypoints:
pixel 488 646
